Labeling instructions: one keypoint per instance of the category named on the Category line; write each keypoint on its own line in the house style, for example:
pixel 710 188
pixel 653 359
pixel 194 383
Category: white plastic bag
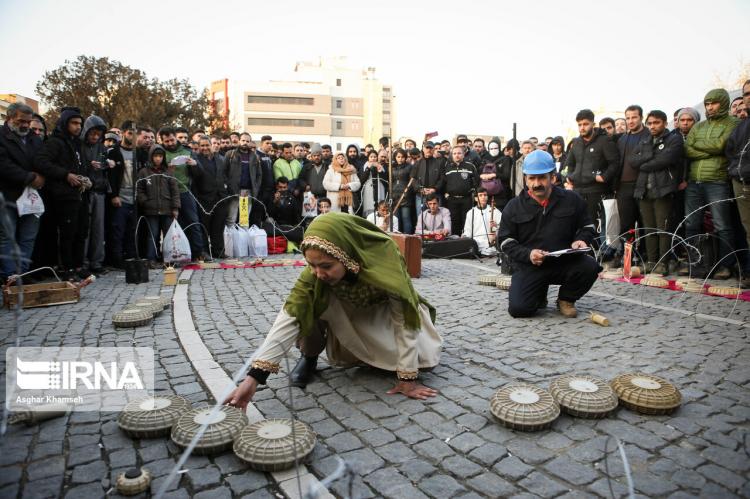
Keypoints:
pixel 258 244
pixel 611 223
pixel 241 242
pixel 175 247
pixel 229 242
pixel 30 203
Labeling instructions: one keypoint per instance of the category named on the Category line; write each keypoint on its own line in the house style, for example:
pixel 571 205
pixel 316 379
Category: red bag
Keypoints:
pixel 276 245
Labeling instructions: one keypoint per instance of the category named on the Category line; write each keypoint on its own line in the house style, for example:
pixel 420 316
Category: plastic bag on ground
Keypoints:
pixel 175 247
pixel 229 242
pixel 258 244
pixel 30 203
pixel 241 242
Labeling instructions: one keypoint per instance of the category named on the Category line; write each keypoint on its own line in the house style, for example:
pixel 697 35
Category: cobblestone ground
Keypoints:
pixel 445 447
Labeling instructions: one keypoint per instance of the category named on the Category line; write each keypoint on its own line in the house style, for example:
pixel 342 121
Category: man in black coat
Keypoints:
pixel 17 172
pixel 209 187
pixel 537 222
pixel 60 159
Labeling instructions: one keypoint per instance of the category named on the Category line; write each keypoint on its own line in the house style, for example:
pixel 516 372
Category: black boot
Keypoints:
pixel 303 372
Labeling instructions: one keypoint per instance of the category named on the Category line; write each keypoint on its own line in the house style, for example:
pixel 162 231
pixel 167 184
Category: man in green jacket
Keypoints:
pixel 708 180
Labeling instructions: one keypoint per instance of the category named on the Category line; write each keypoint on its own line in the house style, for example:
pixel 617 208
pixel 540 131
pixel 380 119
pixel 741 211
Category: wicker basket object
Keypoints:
pixel 488 279
pixel 724 291
pixel 270 445
pixel 690 286
pixel 165 301
pixel 654 281
pixel 156 307
pixel 524 407
pixel 221 431
pixel 646 393
pixel 133 317
pixel 152 416
pixel 503 282
pixel 133 481
pixel 583 396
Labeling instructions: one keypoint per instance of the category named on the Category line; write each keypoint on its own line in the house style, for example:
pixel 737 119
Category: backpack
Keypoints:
pixel 493 186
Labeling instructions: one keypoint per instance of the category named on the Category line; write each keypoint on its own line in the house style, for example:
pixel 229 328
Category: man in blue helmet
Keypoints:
pixel 540 220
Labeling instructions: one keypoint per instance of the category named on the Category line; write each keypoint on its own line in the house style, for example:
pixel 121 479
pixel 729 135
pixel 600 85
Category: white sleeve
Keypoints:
pixel 407 366
pixel 330 183
pixel 354 183
pixel 279 340
pixel 467 225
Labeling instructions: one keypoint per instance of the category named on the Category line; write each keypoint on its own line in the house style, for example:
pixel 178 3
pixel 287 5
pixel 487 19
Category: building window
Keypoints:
pixel 338 146
pixel 386 101
pixel 355 125
pixel 280 122
pixel 276 99
pixel 338 125
pixel 338 82
pixel 338 103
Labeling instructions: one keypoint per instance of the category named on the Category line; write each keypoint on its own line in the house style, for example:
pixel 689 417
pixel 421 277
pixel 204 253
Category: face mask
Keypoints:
pixel 494 151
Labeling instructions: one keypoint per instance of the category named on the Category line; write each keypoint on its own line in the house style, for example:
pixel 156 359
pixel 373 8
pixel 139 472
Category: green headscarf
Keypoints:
pixel 363 249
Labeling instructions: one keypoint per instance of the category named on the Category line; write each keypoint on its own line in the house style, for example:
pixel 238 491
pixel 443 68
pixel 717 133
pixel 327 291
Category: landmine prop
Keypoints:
pixel 488 279
pixel 503 282
pixel 269 445
pixel 654 281
pixel 165 303
pixel 133 481
pixel 646 393
pixel 24 414
pixel 689 285
pixel 209 265
pixel 599 319
pixel 154 307
pixel 612 274
pixel 44 294
pixel 152 416
pixel 583 396
pixel 220 432
pixel 524 407
pixel 724 291
pixel 133 317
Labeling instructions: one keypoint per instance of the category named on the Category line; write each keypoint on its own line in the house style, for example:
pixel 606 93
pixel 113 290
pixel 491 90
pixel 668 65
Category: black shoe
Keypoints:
pixel 303 372
pixel 83 274
pixel 99 271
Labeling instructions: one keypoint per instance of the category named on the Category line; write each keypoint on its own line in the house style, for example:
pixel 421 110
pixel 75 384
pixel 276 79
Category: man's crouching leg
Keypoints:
pixel 579 275
pixel 310 347
pixel 528 291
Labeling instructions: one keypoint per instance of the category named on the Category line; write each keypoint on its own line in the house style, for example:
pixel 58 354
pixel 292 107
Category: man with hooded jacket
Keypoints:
pixel 94 158
pixel 67 181
pixel 708 179
pixel 738 153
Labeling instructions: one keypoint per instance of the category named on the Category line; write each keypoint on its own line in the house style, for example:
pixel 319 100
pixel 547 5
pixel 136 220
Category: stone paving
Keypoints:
pixel 448 446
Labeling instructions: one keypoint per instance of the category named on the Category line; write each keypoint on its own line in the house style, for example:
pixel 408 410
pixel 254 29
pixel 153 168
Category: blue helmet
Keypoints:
pixel 538 162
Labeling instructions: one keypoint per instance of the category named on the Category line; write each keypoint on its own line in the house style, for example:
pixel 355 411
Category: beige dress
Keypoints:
pixel 373 335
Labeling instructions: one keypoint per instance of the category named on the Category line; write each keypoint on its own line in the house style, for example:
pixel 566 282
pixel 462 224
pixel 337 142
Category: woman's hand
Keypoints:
pixel 413 390
pixel 243 394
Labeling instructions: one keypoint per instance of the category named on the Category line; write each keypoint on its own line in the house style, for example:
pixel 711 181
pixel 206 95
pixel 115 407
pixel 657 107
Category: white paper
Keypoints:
pixel 179 160
pixel 568 251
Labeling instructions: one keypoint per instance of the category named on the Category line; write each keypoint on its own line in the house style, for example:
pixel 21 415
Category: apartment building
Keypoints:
pixel 324 101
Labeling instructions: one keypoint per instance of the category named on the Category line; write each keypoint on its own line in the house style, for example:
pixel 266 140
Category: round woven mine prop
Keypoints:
pixel 152 416
pixel 269 445
pixel 646 393
pixel 689 285
pixel 134 481
pixel 165 302
pixel 156 307
pixel 503 282
pixel 220 432
pixel 524 407
pixel 488 279
pixel 724 291
pixel 583 396
pixel 654 281
pixel 132 317
pixel 612 274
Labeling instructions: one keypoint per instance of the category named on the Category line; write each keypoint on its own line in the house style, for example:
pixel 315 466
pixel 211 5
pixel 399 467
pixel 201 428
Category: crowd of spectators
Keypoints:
pixel 111 193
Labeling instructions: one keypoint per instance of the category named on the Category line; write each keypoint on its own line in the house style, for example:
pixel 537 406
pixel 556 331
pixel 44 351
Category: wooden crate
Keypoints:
pixel 42 295
pixel 411 248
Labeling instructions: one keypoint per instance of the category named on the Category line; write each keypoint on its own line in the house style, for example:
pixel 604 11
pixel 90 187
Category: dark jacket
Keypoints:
pixel 526 225
pixel 313 178
pixel 287 210
pixel 115 174
pixel 268 185
pixel 426 173
pixel 95 152
pixel 587 160
pixel 17 169
pixel 209 184
pixel 659 162
pixel 738 152
pixel 401 176
pixel 627 145
pixel 458 179
pixel 233 172
pixel 59 156
pixel 157 191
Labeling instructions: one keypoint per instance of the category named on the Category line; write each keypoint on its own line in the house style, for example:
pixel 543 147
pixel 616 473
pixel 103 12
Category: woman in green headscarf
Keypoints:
pixel 356 300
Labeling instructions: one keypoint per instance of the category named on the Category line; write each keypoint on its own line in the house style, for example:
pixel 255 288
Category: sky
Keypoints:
pixel 470 67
